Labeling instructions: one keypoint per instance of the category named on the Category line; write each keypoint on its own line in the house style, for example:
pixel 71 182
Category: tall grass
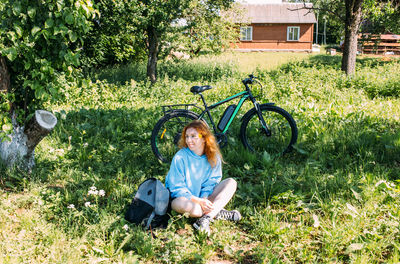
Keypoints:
pixel 207 68
pixel 334 199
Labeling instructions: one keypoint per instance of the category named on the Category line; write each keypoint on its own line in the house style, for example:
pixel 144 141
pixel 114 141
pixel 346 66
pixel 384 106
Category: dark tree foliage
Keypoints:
pixel 115 37
pixel 39 41
pixel 383 18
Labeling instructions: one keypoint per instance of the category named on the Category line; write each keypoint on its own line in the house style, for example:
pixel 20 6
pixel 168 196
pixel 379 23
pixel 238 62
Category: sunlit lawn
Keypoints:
pixel 248 62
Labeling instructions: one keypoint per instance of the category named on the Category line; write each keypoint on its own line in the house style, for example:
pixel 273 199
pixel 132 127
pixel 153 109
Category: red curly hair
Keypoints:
pixel 211 148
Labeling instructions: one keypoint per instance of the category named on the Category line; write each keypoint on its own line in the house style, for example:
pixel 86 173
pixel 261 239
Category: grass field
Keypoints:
pixel 335 199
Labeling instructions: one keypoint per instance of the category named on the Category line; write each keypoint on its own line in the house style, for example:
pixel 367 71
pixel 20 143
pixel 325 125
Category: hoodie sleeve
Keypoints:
pixel 215 177
pixel 175 180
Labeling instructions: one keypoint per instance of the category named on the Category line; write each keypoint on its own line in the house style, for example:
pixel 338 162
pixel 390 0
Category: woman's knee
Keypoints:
pixel 180 204
pixel 183 205
pixel 231 183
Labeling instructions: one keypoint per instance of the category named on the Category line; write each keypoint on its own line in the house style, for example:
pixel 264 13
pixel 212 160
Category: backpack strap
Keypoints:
pixel 150 219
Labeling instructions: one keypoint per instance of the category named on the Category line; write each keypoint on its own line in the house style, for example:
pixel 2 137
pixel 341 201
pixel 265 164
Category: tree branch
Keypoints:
pixel 318 9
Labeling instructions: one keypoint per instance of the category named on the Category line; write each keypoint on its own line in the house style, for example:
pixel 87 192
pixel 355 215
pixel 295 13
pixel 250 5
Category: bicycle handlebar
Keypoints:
pixel 249 80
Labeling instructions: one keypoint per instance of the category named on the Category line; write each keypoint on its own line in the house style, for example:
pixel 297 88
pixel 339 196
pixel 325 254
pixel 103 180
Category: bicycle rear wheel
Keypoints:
pixel 167 132
pixel 281 124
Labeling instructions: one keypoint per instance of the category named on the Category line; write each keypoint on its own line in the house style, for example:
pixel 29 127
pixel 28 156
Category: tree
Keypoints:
pixel 157 19
pixel 115 37
pixel 207 28
pixel 352 13
pixel 39 41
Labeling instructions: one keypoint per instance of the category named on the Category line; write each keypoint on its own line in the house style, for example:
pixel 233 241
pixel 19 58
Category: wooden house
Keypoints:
pixel 276 27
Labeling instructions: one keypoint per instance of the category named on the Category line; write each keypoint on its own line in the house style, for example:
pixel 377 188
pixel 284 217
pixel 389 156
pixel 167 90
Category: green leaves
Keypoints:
pixel 31 12
pixel 5 122
pixel 72 36
pixel 35 30
pixel 16 8
pixel 49 23
pixel 7 127
pixel 41 43
pixel 18 30
pixel 69 18
pixel 10 53
pixel 71 58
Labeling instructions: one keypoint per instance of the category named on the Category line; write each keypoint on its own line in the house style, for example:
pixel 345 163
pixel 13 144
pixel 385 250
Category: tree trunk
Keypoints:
pixel 4 76
pixel 153 47
pixel 20 149
pixel 352 24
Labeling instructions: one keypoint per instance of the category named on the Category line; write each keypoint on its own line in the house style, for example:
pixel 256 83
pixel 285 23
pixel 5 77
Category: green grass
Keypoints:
pixel 333 200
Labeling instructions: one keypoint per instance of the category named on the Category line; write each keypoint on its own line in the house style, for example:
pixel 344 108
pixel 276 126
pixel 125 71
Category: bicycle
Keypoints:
pixel 265 127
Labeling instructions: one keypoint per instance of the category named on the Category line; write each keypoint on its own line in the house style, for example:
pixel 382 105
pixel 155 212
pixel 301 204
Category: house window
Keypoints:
pixel 246 33
pixel 293 33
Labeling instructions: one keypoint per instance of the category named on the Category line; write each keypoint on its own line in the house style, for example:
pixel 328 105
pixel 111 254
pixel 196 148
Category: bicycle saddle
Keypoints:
pixel 198 89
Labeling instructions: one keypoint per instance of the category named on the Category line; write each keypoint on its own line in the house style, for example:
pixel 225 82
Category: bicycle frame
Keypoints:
pixel 244 96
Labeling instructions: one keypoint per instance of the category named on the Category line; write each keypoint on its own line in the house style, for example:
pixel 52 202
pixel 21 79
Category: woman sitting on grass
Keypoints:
pixel 194 178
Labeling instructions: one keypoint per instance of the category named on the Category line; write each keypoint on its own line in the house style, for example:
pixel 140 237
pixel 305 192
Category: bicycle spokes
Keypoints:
pixel 280 133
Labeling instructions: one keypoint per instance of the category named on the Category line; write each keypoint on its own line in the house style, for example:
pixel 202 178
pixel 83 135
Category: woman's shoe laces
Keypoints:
pixel 233 215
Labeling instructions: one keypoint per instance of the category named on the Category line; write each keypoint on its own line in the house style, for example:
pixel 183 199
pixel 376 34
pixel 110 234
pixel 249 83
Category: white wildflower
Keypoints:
pixel 71 206
pixel 93 191
pixel 60 151
pixel 102 193
pixel 126 227
pixel 87 204
pixel 316 221
pixel 85 144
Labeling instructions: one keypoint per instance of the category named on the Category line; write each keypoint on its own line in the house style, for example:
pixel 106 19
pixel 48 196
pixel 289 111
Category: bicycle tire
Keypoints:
pixel 281 124
pixel 166 133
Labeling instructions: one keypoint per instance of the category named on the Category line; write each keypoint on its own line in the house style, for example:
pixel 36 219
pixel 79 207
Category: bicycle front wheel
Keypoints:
pixel 167 132
pixel 281 124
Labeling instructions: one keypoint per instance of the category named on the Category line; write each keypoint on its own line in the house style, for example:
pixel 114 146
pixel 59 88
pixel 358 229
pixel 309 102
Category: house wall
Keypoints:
pixel 274 36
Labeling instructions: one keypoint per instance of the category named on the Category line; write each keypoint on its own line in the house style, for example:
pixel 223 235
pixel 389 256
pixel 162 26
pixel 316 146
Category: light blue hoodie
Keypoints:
pixel 192 175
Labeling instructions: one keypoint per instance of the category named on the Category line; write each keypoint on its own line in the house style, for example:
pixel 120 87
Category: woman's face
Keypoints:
pixel 195 141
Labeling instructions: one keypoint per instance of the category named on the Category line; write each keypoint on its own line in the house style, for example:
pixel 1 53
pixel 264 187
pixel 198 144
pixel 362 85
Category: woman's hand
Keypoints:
pixel 205 204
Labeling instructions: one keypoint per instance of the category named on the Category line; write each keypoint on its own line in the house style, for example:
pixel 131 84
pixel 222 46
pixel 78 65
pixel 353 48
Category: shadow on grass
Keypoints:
pixel 333 163
pixel 111 148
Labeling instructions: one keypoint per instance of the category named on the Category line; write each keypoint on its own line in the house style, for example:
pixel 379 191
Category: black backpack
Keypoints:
pixel 150 205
